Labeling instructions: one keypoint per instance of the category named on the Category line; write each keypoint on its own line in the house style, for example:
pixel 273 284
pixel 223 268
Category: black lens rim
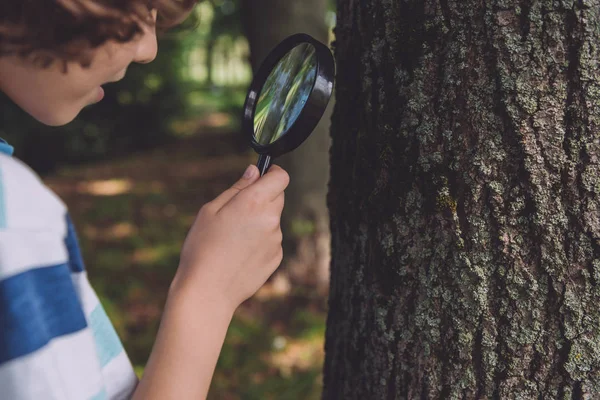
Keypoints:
pixel 315 106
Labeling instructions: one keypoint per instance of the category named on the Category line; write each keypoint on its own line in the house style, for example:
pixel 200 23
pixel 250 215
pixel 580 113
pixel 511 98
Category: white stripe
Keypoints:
pixel 21 251
pixel 35 222
pixel 87 296
pixel 30 205
pixel 66 369
pixel 120 378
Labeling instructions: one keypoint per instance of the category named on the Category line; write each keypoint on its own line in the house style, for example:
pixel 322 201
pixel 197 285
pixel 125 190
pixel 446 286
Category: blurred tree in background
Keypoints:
pixel 225 26
pixel 305 218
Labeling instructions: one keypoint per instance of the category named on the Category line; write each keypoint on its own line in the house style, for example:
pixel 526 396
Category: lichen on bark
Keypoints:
pixel 464 201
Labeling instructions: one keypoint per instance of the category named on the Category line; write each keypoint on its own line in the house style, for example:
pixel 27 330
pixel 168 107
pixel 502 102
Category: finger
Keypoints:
pixel 249 177
pixel 279 202
pixel 270 185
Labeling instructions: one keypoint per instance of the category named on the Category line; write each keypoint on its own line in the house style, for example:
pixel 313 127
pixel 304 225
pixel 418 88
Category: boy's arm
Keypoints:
pixel 187 347
pixel 232 248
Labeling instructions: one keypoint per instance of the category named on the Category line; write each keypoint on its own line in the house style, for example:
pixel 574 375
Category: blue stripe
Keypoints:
pixel 75 259
pixel 108 344
pixel 37 306
pixel 3 213
pixel 6 148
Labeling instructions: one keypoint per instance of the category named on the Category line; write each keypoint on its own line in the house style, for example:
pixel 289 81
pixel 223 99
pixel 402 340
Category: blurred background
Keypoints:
pixel 136 168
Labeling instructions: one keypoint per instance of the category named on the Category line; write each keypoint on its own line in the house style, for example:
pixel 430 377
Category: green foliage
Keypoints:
pixel 226 20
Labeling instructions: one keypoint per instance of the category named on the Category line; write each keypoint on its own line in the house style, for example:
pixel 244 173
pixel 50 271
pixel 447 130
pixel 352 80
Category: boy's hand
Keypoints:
pixel 235 242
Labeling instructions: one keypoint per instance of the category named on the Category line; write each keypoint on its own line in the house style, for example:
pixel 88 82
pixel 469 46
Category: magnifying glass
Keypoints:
pixel 288 97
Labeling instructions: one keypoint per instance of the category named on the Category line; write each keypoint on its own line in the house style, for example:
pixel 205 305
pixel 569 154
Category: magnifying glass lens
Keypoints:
pixel 285 93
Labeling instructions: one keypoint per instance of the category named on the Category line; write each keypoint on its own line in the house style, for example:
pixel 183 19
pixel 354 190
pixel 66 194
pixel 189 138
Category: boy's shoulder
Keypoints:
pixel 26 203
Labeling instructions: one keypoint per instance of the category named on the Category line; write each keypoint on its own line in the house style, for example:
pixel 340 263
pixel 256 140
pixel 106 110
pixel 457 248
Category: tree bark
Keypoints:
pixel 305 219
pixel 464 201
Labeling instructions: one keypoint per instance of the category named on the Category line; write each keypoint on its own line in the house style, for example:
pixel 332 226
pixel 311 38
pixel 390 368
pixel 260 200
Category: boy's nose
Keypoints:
pixel 147 46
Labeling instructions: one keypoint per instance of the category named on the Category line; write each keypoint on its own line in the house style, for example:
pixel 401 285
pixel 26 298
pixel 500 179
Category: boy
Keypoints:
pixel 55 339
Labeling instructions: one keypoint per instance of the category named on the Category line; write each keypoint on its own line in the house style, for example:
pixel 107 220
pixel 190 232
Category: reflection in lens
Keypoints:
pixel 284 94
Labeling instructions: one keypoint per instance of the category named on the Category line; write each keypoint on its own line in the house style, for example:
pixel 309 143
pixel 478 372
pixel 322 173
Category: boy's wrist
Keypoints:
pixel 182 291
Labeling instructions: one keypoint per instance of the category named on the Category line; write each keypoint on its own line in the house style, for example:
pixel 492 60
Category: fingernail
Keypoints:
pixel 249 172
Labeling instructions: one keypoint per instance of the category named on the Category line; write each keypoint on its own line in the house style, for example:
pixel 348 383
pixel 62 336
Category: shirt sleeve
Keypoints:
pixel 56 341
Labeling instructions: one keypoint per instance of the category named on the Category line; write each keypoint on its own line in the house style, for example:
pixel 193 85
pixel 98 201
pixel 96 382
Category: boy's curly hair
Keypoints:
pixel 69 30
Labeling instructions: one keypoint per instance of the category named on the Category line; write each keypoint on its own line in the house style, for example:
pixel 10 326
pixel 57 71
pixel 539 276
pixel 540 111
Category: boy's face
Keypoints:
pixel 55 98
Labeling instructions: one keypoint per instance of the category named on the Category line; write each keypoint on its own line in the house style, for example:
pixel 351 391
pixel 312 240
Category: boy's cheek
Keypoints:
pixel 52 99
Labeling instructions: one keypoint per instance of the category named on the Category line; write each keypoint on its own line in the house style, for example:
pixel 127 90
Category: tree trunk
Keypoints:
pixel 210 51
pixel 305 218
pixel 464 201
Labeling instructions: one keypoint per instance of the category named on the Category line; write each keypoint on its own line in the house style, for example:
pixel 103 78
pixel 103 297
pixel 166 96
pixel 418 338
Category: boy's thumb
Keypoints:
pixel 250 173
pixel 247 179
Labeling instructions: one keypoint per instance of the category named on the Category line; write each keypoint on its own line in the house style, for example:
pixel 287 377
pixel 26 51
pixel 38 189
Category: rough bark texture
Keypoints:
pixel 464 201
pixel 305 219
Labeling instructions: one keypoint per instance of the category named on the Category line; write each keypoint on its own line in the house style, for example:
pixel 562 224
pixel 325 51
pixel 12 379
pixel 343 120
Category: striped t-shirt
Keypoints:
pixel 56 341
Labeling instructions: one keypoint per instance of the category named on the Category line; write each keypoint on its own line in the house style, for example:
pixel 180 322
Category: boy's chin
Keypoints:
pixel 55 118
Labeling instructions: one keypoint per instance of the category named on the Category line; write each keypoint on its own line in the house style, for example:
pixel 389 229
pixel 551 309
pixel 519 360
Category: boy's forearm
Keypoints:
pixel 187 347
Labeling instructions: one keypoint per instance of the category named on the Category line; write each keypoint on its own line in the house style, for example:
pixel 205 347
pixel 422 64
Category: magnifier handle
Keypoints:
pixel 264 163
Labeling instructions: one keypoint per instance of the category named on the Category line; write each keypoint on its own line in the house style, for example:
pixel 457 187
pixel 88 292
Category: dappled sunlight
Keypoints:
pixel 278 287
pixel 210 121
pixel 111 187
pixel 146 256
pixel 154 255
pixel 271 353
pixel 117 231
pixel 290 355
pixel 216 120
pixel 121 231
